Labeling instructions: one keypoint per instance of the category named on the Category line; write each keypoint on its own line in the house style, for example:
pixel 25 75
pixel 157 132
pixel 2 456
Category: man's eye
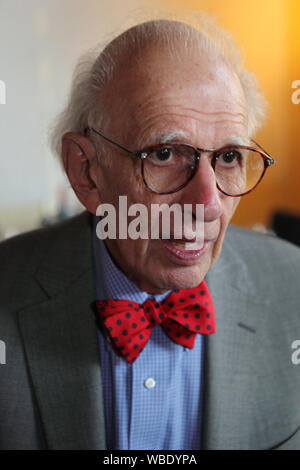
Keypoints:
pixel 230 158
pixel 164 154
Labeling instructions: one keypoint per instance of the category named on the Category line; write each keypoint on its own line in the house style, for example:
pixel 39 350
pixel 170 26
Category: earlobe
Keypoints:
pixel 78 157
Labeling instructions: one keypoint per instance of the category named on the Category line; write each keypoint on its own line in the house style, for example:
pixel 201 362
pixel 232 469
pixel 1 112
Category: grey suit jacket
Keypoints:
pixel 50 387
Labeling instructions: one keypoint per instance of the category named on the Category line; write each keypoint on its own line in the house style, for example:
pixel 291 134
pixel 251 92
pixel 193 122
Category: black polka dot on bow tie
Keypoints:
pixel 171 304
pixel 143 319
pixel 202 292
pixel 109 328
pixel 130 305
pixel 124 332
pixel 208 327
pixel 161 316
pixel 134 325
pixel 141 336
pixel 206 304
pixel 135 346
pixel 156 305
pixel 197 327
pixel 119 322
pixel 187 326
pixel 178 335
pixel 192 296
pixel 174 314
pixel 186 315
pixel 115 338
pixel 208 315
pixel 147 309
pixel 128 315
pixel 181 299
pixel 197 315
pixel 129 341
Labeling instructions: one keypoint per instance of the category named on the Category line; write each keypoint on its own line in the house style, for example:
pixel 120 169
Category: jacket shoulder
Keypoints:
pixel 21 257
pixel 18 251
pixel 268 265
pixel 251 244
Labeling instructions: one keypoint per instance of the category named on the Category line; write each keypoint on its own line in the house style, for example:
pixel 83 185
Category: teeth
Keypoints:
pixel 189 245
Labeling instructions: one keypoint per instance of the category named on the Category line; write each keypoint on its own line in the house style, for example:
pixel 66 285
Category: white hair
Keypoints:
pixel 96 69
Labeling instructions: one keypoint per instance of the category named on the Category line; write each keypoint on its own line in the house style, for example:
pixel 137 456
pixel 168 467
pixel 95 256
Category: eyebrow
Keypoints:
pixel 165 137
pixel 180 135
pixel 237 140
pixel 173 136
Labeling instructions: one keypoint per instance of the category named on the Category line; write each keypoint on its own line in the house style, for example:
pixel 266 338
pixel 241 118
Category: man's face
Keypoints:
pixel 190 100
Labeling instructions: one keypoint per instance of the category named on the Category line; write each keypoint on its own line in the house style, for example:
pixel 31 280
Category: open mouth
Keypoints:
pixel 183 251
pixel 186 244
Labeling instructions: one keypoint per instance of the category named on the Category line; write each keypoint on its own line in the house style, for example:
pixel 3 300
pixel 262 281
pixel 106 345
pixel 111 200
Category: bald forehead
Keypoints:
pixel 157 54
pixel 158 71
pixel 138 59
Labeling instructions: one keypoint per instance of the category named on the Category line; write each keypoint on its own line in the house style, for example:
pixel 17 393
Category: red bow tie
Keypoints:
pixel 182 315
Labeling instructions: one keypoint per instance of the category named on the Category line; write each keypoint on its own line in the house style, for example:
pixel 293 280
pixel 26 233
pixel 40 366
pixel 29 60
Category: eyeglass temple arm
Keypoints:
pixel 271 161
pixel 108 140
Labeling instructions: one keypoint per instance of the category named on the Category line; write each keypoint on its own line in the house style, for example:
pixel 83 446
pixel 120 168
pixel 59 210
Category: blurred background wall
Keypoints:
pixel 40 42
pixel 268 32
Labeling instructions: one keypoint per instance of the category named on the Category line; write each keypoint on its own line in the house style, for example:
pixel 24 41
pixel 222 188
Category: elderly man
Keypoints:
pixel 153 343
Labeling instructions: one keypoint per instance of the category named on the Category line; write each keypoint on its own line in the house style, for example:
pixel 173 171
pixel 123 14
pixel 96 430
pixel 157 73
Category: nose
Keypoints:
pixel 202 189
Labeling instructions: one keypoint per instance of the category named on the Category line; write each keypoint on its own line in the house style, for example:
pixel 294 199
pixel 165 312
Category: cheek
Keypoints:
pixel 235 203
pixel 229 206
pixel 121 178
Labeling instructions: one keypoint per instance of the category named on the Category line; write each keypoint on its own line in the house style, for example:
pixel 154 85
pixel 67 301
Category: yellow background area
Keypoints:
pixel 268 32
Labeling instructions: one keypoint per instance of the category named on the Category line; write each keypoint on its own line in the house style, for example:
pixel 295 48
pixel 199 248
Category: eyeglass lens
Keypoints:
pixel 171 166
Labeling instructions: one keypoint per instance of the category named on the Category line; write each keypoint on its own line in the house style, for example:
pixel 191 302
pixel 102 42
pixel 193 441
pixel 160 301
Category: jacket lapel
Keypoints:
pixel 241 392
pixel 61 344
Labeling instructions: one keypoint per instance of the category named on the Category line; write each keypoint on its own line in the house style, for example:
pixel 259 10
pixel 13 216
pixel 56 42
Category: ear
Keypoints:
pixel 80 162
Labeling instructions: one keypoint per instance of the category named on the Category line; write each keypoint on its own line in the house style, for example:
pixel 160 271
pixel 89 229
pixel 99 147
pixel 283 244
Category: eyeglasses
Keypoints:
pixel 167 168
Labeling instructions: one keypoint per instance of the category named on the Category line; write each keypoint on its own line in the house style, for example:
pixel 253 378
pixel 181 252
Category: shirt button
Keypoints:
pixel 149 383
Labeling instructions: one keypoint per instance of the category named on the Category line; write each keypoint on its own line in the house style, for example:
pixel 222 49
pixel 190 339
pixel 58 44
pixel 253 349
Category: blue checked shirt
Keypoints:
pixel 155 403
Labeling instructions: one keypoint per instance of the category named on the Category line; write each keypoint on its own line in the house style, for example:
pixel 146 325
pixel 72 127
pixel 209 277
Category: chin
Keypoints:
pixel 179 278
pixel 188 277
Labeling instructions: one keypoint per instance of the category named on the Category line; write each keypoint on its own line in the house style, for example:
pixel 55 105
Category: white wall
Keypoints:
pixel 40 42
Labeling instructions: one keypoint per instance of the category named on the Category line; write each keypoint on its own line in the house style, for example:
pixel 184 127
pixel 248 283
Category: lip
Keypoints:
pixel 182 240
pixel 182 255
